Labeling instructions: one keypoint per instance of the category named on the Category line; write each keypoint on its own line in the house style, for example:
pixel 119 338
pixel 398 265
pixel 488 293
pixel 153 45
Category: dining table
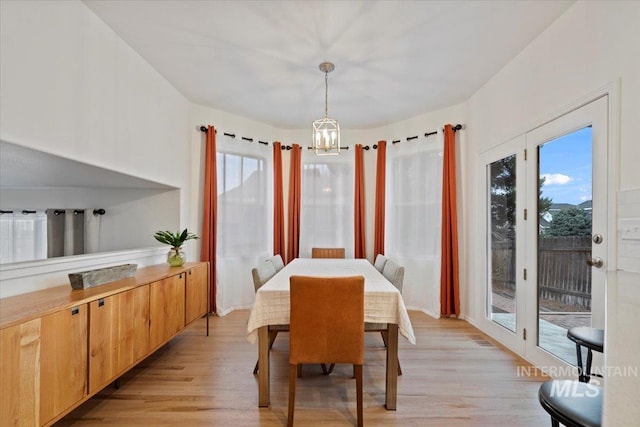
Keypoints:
pixel 383 303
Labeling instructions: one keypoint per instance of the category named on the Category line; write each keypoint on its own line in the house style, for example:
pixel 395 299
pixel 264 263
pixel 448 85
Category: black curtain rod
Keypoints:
pixel 456 128
pixel 233 135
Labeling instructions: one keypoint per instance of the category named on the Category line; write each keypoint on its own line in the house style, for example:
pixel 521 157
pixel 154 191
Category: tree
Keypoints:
pixel 544 203
pixel 570 222
pixel 503 197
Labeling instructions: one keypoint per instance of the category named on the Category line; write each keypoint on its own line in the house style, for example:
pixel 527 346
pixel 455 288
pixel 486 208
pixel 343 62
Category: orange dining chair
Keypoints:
pixel 327 325
pixel 261 274
pixel 327 252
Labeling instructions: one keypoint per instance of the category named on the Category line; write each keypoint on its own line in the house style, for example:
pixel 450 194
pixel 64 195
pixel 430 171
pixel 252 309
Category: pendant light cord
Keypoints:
pixel 326 92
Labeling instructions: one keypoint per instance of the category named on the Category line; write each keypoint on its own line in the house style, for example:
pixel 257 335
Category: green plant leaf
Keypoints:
pixel 176 239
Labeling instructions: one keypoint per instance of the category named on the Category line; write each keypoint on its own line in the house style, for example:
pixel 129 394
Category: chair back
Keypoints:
pixel 262 273
pixel 327 252
pixel 394 273
pixel 379 263
pixel 277 262
pixel 327 320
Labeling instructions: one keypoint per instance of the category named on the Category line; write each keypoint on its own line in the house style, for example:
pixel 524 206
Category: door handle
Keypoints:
pixel 595 262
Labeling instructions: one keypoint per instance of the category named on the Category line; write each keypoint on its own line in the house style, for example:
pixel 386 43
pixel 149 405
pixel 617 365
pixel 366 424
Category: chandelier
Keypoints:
pixel 326 132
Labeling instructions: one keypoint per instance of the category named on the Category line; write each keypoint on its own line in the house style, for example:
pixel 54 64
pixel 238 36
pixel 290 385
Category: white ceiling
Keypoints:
pixel 394 59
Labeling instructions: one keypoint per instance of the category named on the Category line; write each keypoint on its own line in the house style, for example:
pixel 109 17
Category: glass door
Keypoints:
pixel 503 191
pixel 501 304
pixel 567 231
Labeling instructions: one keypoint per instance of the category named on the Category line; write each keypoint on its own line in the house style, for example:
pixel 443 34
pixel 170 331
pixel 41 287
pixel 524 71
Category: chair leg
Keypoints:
pixel 587 373
pixel 581 374
pixel 293 373
pixel 554 422
pixel 272 338
pixel 326 371
pixel 357 370
pixel 384 337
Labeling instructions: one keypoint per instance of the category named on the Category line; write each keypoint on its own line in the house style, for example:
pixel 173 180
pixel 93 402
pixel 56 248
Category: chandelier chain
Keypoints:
pixel 326 94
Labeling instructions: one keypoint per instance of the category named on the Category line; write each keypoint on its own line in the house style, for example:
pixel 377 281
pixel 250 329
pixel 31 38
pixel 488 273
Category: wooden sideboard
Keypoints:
pixel 59 346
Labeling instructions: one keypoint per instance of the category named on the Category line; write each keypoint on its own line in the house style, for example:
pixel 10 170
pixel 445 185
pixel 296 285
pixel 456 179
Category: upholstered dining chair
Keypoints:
pixel 261 274
pixel 327 325
pixel 327 252
pixel 277 262
pixel 379 262
pixel 394 274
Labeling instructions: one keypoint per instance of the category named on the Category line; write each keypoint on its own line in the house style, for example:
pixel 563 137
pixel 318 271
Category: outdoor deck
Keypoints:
pixel 553 326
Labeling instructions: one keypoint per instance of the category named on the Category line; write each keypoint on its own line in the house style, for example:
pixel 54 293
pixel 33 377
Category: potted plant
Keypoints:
pixel 176 256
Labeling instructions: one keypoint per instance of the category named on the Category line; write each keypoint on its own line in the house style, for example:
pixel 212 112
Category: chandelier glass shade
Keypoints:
pixel 326 131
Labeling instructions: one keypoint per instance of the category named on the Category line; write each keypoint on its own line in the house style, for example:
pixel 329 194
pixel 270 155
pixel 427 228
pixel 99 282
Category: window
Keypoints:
pixel 242 205
pixel 23 236
pixel 413 219
pixel 414 203
pixel 245 219
pixel 327 203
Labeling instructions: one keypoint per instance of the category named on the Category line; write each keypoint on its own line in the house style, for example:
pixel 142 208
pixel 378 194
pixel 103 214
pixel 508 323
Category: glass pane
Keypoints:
pixel 242 205
pixel 327 204
pixel 564 240
pixel 414 205
pixel 502 241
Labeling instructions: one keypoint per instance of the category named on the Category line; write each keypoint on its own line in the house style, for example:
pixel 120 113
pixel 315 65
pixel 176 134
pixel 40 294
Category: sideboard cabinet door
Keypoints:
pixel 166 309
pixel 20 374
pixel 63 361
pixel 196 292
pixel 118 335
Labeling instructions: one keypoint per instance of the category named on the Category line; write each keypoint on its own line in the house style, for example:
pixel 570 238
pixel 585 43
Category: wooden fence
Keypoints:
pixel 563 274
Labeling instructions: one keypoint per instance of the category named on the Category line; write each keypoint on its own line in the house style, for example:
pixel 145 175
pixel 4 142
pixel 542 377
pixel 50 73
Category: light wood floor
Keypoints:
pixel 454 376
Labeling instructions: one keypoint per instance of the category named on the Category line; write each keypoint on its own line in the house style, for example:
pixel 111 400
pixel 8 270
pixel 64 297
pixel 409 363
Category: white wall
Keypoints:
pixel 71 87
pixel 592 45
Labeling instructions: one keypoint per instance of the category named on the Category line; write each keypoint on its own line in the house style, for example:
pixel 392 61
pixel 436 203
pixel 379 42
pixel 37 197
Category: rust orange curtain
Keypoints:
pixel 209 229
pixel 360 250
pixel 278 203
pixel 449 275
pixel 378 231
pixel 295 182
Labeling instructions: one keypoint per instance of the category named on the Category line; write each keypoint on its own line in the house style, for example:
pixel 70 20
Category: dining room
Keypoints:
pixel 473 163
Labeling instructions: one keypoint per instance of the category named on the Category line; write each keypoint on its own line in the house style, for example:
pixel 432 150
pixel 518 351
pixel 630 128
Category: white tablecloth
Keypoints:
pixel 382 301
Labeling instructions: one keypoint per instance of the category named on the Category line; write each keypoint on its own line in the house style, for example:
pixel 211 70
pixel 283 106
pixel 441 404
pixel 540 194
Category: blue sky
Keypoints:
pixel 566 164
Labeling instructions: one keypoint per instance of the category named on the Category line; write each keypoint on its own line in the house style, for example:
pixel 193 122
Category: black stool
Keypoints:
pixel 572 403
pixel 592 339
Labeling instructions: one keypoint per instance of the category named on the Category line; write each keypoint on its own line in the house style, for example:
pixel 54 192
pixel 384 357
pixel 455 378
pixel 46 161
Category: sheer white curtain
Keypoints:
pixel 245 194
pixel 326 214
pixel 91 231
pixel 23 236
pixel 413 216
